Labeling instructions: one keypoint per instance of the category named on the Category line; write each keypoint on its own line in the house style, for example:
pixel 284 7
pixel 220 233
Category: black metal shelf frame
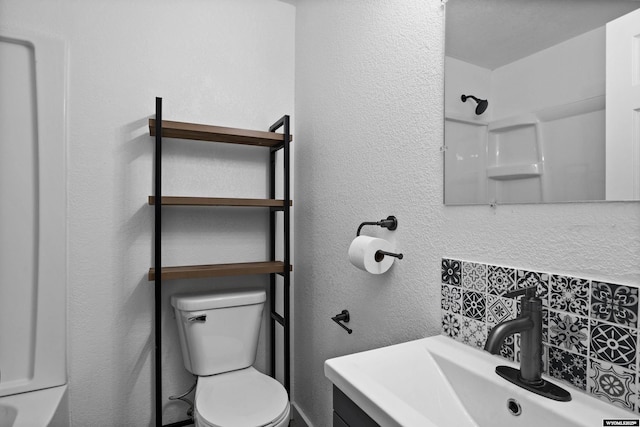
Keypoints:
pixel 274 317
pixel 283 320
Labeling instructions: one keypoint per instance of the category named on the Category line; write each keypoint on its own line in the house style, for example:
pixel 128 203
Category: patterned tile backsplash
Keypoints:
pixel 590 331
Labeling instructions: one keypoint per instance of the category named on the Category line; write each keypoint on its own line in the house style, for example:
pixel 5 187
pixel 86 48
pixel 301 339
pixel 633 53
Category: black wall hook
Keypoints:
pixel 342 317
pixel 391 223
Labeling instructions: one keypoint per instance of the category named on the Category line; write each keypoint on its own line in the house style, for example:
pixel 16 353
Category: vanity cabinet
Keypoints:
pixel 347 414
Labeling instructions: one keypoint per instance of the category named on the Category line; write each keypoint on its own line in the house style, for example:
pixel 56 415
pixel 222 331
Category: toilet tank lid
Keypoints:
pixel 213 300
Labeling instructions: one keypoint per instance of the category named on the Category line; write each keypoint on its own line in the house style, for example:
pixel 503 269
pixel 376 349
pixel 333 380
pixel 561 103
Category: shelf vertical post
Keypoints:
pixel 158 265
pixel 284 320
pixel 272 257
pixel 287 256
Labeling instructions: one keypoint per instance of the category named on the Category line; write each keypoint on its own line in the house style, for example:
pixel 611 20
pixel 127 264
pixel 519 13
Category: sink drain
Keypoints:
pixel 514 407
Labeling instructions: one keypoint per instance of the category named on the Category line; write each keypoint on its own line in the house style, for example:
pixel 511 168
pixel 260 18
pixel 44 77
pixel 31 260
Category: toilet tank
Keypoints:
pixel 218 330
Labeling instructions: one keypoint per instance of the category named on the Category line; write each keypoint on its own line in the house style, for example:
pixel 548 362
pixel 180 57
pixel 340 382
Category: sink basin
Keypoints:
pixel 438 382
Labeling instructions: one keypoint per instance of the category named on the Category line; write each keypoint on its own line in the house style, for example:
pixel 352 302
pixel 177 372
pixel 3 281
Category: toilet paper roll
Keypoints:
pixel 362 254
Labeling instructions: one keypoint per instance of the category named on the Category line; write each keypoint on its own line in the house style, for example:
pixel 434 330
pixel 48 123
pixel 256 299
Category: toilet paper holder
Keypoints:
pixel 343 317
pixel 391 223
pixel 379 256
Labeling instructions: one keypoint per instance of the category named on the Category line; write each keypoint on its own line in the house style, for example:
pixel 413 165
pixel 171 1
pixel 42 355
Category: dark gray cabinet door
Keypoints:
pixel 347 414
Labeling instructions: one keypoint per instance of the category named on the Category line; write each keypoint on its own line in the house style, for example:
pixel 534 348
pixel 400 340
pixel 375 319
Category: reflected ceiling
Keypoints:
pixel 476 28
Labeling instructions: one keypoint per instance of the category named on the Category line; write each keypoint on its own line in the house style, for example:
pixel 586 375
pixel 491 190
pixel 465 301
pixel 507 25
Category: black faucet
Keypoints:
pixel 529 324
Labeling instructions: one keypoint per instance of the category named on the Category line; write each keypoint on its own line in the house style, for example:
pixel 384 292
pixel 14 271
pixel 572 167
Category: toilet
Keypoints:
pixel 219 337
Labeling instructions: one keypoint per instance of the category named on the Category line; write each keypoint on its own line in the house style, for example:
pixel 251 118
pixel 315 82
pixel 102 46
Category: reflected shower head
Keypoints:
pixel 482 103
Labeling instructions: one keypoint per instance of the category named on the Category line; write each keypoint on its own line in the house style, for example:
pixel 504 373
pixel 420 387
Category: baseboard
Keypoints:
pixel 300 419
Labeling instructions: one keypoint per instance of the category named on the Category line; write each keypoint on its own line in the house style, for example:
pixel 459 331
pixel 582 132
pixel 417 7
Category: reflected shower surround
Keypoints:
pixel 550 155
pixel 548 136
pixel 590 327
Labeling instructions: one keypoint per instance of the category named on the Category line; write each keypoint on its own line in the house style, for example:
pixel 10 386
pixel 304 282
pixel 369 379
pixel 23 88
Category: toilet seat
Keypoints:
pixel 243 398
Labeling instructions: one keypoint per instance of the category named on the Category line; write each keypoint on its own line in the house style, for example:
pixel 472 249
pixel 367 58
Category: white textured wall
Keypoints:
pixel 369 110
pixel 224 62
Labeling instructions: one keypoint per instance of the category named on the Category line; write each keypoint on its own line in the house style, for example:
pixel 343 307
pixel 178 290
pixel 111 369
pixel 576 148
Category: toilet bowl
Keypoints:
pixel 219 336
pixel 244 398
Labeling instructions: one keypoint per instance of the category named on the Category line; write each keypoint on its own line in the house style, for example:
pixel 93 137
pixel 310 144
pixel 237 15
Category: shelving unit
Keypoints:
pixel 274 142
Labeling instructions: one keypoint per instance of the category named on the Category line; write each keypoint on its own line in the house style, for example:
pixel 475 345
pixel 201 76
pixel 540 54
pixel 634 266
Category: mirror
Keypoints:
pixel 526 85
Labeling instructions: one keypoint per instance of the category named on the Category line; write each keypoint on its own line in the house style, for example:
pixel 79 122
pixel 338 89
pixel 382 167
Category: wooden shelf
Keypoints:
pixel 199 132
pixel 218 201
pixel 219 270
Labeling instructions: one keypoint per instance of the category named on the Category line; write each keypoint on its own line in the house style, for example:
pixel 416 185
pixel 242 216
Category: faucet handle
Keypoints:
pixel 529 292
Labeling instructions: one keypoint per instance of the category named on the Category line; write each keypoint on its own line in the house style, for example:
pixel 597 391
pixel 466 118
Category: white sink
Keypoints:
pixel 439 382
